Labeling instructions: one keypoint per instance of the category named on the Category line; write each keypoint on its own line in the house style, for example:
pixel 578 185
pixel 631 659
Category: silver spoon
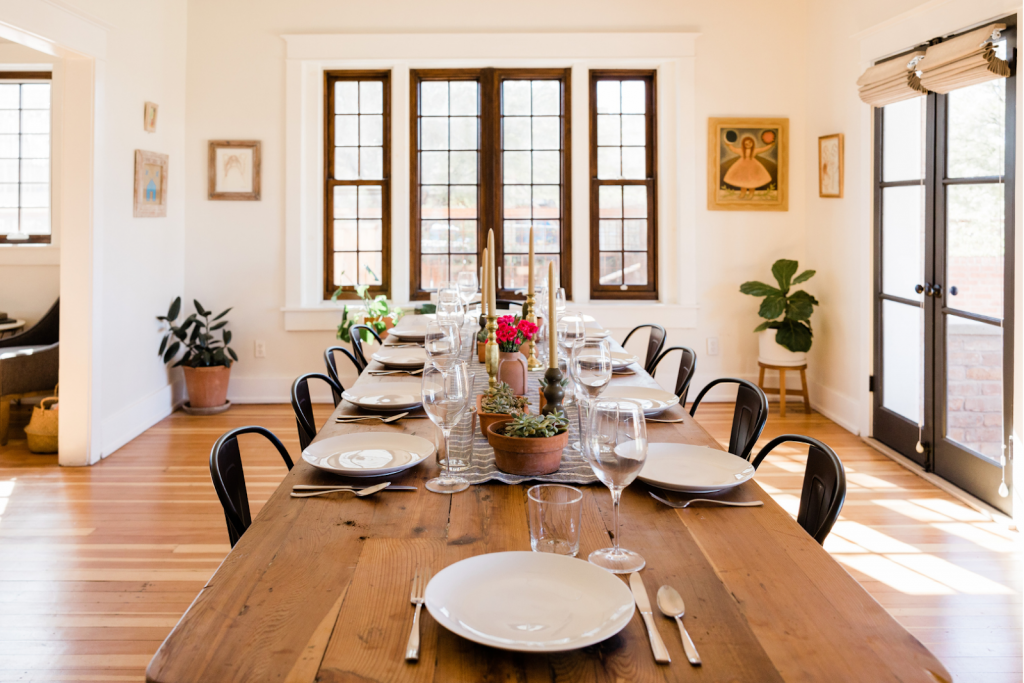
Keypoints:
pixel 359 494
pixel 670 602
pixel 723 503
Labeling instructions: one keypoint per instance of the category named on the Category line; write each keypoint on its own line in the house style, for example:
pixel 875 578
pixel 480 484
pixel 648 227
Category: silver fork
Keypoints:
pixel 419 587
pixel 724 503
pixel 378 373
pixel 345 419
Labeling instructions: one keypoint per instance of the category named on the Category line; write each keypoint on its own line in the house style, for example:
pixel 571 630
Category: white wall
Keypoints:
pixel 236 67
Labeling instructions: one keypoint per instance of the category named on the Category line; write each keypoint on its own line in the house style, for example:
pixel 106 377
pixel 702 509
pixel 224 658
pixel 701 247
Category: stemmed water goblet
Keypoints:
pixel 442 343
pixel 590 369
pixel 616 448
pixel 468 286
pixel 446 398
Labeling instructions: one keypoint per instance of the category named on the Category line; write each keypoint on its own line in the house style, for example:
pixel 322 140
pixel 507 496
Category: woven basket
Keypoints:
pixel 42 428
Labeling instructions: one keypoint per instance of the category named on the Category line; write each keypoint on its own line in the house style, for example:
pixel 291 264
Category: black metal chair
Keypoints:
pixel 507 304
pixel 824 488
pixel 332 368
pixel 357 342
pixel 303 405
pixel 749 417
pixel 654 343
pixel 229 479
pixel 687 366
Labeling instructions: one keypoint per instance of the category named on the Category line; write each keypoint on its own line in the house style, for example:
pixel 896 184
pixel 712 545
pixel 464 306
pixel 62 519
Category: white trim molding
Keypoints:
pixel 308 56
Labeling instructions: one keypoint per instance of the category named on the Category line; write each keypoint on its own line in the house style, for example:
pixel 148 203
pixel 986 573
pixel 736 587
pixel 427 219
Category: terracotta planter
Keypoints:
pixel 480 347
pixel 512 371
pixel 207 387
pixel 526 456
pixel 388 324
pixel 486 419
pixel 543 400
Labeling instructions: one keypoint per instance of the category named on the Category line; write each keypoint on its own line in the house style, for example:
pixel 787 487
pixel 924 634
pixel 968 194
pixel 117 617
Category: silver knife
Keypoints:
pixel 643 603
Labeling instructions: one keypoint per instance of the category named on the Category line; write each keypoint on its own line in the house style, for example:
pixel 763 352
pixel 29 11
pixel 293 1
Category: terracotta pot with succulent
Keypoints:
pixel 207 360
pixel 377 313
pixel 512 333
pixel 543 385
pixel 481 339
pixel 529 445
pixel 786 341
pixel 497 404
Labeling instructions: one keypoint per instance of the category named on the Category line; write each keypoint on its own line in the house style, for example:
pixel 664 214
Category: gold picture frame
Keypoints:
pixel 234 170
pixel 830 166
pixel 149 117
pixel 150 184
pixel 748 164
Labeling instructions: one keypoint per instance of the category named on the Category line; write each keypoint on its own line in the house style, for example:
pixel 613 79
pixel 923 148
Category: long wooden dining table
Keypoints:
pixel 318 589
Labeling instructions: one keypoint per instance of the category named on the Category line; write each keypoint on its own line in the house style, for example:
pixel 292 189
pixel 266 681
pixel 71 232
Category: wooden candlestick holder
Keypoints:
pixel 553 392
pixel 491 351
pixel 532 362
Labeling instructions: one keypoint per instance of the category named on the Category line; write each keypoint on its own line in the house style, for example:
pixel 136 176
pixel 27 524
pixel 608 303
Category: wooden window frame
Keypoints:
pixel 331 77
pixel 23 77
pixel 634 292
pixel 490 198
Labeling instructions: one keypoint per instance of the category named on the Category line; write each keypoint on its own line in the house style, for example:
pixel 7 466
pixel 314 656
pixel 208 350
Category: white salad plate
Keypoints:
pixel 622 359
pixel 384 396
pixel 405 357
pixel 411 334
pixel 653 401
pixel 529 602
pixel 596 333
pixel 693 469
pixel 368 454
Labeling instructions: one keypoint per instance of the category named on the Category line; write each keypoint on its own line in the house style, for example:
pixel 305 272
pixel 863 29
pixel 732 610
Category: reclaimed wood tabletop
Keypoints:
pixel 317 589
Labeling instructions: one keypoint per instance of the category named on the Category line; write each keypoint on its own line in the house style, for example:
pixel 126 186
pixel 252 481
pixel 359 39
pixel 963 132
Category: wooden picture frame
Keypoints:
pixel 743 176
pixel 149 117
pixel 830 166
pixel 150 184
pixel 234 170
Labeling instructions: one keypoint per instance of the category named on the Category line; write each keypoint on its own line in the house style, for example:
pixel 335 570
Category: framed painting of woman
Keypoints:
pixel 748 164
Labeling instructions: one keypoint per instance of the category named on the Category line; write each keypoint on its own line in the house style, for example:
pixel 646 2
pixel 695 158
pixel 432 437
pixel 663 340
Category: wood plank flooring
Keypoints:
pixel 97 564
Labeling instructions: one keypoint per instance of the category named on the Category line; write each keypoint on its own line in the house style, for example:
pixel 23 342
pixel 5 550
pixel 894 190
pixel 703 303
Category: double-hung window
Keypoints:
pixel 24 157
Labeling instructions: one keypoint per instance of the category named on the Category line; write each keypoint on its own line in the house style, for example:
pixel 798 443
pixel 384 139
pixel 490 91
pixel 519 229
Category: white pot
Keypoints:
pixel 770 352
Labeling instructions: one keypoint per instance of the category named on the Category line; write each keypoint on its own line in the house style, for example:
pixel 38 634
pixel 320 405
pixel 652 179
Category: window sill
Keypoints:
pixel 29 255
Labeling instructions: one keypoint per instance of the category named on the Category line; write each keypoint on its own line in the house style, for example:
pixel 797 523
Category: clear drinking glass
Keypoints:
pixel 446 398
pixel 616 448
pixel 559 303
pixel 555 511
pixel 442 343
pixel 468 286
pixel 590 369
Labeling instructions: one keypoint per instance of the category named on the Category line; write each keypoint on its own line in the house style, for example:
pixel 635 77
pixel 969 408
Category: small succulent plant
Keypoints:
pixel 481 336
pixel 537 426
pixel 500 400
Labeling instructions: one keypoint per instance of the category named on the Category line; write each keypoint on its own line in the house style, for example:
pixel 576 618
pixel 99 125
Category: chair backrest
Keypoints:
pixel 357 342
pixel 824 489
pixel 43 333
pixel 654 343
pixel 687 366
pixel 229 480
pixel 748 418
pixel 303 405
pixel 332 368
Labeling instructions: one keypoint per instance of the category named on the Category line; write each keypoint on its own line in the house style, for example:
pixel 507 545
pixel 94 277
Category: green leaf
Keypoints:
pixel 218 325
pixel 223 314
pixel 772 306
pixel 175 308
pixel 163 345
pixel 227 337
pixel 783 270
pixel 171 352
pixel 763 326
pixel 755 288
pixel 800 306
pixel 199 308
pixel 231 352
pixel 795 336
pixel 804 276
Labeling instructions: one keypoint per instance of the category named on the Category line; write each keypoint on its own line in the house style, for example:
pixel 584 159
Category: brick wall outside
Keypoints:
pixel 975 386
pixel 979 283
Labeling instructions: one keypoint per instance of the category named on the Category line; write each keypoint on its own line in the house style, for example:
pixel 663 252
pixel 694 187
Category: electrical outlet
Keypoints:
pixel 260 349
pixel 712 346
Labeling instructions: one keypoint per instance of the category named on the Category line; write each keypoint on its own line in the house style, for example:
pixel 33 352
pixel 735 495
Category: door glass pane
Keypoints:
pixel 902 240
pixel 974 385
pixel 976 130
pixel 975 234
pixel 903 140
pixel 903 360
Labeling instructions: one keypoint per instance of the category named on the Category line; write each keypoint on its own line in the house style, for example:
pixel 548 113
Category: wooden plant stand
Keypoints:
pixel 781 391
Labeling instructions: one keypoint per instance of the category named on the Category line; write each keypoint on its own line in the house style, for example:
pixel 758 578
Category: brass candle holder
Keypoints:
pixel 532 363
pixel 491 351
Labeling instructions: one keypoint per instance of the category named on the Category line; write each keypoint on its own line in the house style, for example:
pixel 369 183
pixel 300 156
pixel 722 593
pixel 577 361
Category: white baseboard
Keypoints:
pixel 837 407
pixel 129 422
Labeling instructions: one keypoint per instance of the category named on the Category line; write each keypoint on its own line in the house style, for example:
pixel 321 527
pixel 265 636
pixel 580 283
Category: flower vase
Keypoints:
pixel 512 371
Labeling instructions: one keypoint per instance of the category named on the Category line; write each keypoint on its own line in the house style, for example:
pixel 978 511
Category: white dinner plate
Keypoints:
pixel 368 454
pixel 384 396
pixel 529 602
pixel 596 333
pixel 411 334
pixel 405 357
pixel 693 469
pixel 621 359
pixel 653 401
pixel 408 323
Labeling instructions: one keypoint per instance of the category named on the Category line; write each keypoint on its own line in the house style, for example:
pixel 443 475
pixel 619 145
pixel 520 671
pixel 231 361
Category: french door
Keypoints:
pixel 944 167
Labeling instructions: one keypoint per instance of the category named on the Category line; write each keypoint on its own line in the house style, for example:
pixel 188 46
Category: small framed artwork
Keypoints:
pixel 234 172
pixel 748 164
pixel 830 166
pixel 149 117
pixel 150 184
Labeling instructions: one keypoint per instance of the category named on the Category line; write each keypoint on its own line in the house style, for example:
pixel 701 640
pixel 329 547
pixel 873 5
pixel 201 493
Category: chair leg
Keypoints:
pixel 803 384
pixel 5 418
pixel 782 393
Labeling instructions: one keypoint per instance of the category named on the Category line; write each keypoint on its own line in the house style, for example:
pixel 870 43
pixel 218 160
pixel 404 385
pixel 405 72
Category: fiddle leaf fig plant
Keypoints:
pixel 794 331
pixel 195 334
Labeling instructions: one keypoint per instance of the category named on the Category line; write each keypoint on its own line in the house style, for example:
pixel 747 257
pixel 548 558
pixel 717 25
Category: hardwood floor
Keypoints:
pixel 97 564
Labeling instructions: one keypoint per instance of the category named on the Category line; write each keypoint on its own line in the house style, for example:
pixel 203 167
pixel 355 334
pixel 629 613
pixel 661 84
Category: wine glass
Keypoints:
pixel 442 343
pixel 448 291
pixel 468 286
pixel 446 397
pixel 590 368
pixel 559 303
pixel 616 448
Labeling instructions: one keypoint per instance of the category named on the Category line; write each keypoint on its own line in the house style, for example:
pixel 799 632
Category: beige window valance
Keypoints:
pixel 963 61
pixel 892 81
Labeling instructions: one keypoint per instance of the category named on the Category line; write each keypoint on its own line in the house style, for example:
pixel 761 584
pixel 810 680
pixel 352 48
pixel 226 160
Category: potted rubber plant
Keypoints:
pixel 499 403
pixel 784 341
pixel 207 360
pixel 529 445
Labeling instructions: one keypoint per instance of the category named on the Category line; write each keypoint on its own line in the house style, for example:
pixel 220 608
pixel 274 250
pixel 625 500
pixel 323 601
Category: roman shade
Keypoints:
pixel 963 61
pixel 892 81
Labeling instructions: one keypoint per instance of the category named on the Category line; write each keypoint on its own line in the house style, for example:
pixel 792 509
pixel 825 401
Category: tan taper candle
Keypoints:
pixel 492 286
pixel 529 285
pixel 552 326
